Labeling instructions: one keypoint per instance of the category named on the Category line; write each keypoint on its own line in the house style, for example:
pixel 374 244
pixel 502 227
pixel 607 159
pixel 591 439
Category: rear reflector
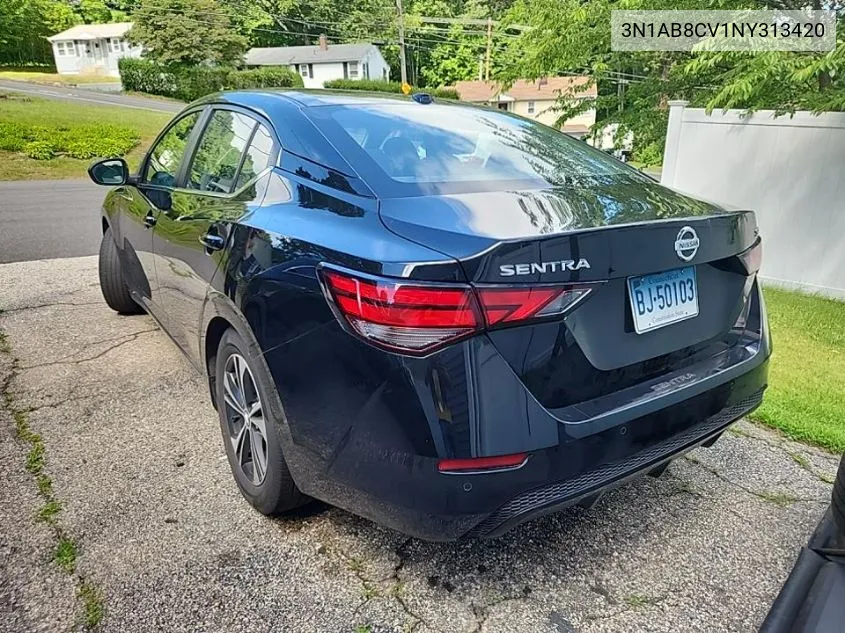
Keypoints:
pixel 474 464
pixel 417 317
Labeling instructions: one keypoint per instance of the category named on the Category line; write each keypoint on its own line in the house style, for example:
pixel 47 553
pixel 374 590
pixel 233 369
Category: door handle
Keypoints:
pixel 212 242
pixel 149 220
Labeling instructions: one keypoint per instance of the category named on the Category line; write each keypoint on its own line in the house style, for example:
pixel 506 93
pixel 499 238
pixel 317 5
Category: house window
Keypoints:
pixel 353 70
pixel 366 71
pixel 60 49
pixel 116 45
pixel 307 70
pixel 530 107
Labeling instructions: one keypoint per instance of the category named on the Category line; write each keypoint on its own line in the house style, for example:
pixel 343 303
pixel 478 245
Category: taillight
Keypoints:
pixel 752 258
pixel 416 318
pixel 404 316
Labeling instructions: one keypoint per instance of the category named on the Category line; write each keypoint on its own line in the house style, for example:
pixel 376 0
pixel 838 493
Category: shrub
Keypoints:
pixel 651 154
pixel 39 150
pixel 192 82
pixel 13 137
pixel 265 77
pixel 375 85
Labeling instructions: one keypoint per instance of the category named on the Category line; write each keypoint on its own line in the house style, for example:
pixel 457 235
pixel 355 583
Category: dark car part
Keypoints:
pixel 838 498
pixel 112 282
pixel 460 319
pixel 251 431
pixel 812 598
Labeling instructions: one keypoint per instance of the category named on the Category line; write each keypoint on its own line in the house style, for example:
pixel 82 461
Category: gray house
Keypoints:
pixel 324 61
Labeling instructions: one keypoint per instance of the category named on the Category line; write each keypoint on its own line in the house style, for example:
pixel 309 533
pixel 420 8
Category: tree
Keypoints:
pixel 573 36
pixel 25 23
pixel 186 32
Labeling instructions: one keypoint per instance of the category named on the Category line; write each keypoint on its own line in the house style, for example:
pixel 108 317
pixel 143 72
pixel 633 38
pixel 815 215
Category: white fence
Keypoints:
pixel 791 171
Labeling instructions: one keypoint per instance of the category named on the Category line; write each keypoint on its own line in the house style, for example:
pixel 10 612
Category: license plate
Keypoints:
pixel 664 298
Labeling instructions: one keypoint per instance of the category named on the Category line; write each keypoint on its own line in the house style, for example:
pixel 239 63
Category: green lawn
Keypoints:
pixel 55 78
pixel 67 115
pixel 806 395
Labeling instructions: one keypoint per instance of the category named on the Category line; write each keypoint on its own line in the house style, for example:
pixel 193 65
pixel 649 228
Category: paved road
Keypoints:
pixel 136 458
pixel 45 219
pixel 88 96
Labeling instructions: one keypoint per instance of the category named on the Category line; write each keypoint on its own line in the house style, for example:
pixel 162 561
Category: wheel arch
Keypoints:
pixel 219 315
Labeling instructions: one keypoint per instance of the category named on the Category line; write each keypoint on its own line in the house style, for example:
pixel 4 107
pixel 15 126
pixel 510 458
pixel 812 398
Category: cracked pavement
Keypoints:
pixel 135 453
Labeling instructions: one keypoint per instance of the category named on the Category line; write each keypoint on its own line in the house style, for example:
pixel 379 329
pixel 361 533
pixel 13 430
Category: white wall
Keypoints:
pixel 98 60
pixel 789 170
pixel 379 70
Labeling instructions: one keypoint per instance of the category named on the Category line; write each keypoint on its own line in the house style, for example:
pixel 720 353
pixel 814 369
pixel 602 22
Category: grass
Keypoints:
pixel 806 395
pixel 65 555
pixel 40 112
pixel 92 605
pixel 55 78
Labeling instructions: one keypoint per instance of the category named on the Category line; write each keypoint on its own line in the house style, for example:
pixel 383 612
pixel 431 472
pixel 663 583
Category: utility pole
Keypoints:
pixel 402 65
pixel 489 47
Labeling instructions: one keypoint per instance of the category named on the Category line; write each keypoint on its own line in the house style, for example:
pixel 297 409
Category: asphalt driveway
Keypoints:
pixel 163 538
pixel 46 219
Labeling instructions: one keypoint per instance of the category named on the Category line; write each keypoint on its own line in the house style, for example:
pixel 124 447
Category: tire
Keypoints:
pixel 112 282
pixel 269 487
pixel 838 500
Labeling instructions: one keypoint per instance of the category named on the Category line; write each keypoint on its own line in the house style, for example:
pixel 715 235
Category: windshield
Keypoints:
pixel 418 144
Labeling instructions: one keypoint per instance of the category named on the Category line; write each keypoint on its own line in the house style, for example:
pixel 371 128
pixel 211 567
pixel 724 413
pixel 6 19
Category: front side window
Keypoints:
pixel 60 49
pixel 303 70
pixel 353 70
pixel 530 107
pixel 166 157
pixel 218 156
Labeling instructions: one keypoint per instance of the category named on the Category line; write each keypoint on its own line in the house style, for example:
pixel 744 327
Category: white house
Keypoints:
pixel 320 63
pixel 92 49
pixel 535 99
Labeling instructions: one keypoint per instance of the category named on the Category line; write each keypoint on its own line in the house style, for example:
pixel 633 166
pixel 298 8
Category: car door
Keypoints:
pixel 140 205
pixel 216 188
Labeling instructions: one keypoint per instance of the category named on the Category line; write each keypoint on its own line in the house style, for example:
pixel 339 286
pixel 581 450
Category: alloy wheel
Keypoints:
pixel 245 419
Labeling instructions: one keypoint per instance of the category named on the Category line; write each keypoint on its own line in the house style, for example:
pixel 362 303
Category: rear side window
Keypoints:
pixel 219 152
pixel 259 156
pixel 429 144
pixel 166 156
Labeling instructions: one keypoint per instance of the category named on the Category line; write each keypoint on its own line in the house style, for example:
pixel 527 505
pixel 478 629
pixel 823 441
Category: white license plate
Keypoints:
pixel 664 298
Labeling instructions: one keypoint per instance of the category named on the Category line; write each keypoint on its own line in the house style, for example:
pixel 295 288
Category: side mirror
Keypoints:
pixel 109 171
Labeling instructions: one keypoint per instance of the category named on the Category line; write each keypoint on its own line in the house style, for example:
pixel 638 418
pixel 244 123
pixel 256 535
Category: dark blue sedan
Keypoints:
pixel 445 318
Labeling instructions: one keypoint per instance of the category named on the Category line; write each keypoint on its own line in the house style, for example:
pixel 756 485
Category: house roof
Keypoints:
pixel 523 90
pixel 284 55
pixel 92 31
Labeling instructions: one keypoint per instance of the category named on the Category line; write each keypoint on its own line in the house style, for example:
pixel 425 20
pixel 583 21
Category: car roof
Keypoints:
pixel 310 98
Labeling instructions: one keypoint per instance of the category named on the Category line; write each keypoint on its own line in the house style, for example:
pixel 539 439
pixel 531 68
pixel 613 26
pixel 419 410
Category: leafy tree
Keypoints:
pixel 186 32
pixel 25 23
pixel 573 36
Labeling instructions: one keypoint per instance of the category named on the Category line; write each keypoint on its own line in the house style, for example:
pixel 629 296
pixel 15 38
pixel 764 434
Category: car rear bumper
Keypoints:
pixel 409 494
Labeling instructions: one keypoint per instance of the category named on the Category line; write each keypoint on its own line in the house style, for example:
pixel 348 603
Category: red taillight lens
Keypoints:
pixel 506 305
pixel 419 317
pixel 402 315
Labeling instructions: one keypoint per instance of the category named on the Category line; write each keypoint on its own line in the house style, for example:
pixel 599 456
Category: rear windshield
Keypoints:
pixel 414 144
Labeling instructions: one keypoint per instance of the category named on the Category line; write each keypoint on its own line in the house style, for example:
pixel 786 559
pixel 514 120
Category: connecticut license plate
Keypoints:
pixel 664 298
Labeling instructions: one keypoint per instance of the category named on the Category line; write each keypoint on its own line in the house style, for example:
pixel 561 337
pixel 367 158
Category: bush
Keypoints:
pixel 265 77
pixel 192 82
pixel 13 137
pixel 39 150
pixel 85 141
pixel 375 85
pixel 651 154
